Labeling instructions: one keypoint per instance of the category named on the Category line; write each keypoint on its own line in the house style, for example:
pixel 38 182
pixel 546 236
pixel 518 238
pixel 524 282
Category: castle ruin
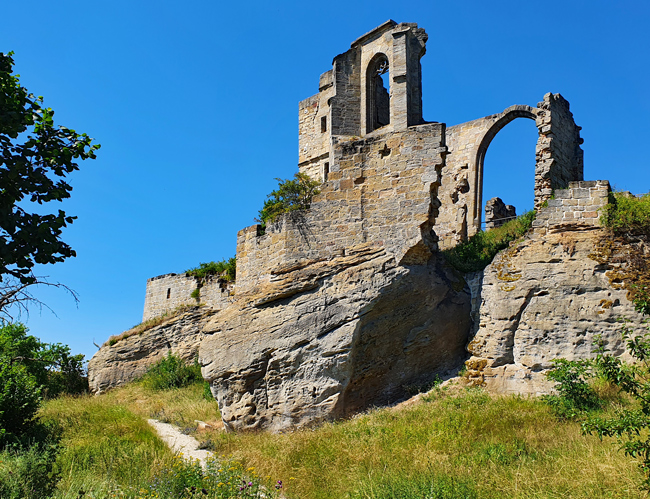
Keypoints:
pixel 340 307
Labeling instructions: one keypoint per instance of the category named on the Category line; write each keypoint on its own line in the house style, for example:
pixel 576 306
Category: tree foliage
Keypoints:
pixel 31 370
pixel 576 398
pixel 290 195
pixel 35 158
pixel 631 427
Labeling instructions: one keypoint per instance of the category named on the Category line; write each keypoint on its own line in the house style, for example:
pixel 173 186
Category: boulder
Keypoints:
pixel 325 339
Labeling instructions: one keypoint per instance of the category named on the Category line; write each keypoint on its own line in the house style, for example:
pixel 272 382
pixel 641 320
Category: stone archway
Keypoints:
pixel 503 119
pixel 558 161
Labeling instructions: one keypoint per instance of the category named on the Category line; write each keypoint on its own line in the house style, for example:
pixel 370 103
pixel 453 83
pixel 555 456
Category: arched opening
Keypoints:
pixel 507 172
pixel 377 93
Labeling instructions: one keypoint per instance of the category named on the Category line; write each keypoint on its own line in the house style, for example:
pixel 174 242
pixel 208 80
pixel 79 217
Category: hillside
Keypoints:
pixel 453 442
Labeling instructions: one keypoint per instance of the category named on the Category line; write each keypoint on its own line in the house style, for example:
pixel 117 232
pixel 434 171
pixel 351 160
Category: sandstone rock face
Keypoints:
pixel 129 357
pixel 541 299
pixel 327 338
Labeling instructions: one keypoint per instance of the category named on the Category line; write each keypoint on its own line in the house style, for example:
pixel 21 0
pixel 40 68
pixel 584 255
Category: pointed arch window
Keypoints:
pixel 377 93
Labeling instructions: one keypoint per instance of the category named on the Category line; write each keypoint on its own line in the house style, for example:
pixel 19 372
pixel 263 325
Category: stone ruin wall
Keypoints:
pixel 170 291
pixel 578 206
pixel 410 186
pixel 380 190
pixel 558 160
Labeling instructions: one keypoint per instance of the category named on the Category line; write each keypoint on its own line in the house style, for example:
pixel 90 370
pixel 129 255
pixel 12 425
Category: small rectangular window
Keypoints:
pixel 169 292
pixel 323 124
pixel 326 171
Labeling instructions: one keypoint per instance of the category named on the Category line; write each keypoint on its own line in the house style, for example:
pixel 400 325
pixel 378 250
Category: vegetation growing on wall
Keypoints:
pixel 623 251
pixel 476 253
pixel 626 214
pixel 225 269
pixel 290 195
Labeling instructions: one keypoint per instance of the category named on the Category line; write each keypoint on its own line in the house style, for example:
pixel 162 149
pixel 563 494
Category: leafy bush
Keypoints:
pixel 630 426
pixel 627 214
pixel 171 372
pixel 28 473
pixel 31 370
pixel 290 195
pixel 477 253
pixel 20 397
pixel 226 269
pixel 575 395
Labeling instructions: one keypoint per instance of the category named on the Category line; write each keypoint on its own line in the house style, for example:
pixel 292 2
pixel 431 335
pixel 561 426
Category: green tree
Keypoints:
pixel 631 427
pixel 31 370
pixel 35 158
pixel 290 195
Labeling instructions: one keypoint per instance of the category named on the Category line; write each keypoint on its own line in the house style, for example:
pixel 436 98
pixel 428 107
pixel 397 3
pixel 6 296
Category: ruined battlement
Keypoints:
pixel 574 208
pixel 388 177
pixel 169 291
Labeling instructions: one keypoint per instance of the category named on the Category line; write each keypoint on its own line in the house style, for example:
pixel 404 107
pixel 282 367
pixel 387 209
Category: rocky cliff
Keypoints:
pixel 325 339
pixel 546 297
pixel 127 357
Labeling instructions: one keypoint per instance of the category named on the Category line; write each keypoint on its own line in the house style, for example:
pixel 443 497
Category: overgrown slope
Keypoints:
pixel 455 443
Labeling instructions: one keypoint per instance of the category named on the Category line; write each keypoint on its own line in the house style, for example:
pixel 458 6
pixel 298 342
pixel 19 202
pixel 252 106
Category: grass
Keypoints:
pixel 454 443
pixel 107 447
pixel 477 252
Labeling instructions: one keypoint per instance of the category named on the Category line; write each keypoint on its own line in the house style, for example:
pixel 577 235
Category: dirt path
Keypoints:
pixel 179 442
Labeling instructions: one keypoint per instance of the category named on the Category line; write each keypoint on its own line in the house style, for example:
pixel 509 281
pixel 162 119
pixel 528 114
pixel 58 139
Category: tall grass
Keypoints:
pixel 464 444
pixel 477 252
pixel 455 443
pixel 107 449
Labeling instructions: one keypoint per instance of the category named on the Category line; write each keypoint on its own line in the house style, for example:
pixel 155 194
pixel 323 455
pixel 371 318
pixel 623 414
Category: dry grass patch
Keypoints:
pixel 464 444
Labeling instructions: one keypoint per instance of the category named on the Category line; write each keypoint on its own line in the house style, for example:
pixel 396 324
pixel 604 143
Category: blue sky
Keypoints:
pixel 195 104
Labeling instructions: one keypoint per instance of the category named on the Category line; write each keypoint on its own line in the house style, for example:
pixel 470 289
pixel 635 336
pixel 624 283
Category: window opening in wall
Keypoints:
pixel 509 173
pixel 323 124
pixel 169 292
pixel 326 171
pixel 377 93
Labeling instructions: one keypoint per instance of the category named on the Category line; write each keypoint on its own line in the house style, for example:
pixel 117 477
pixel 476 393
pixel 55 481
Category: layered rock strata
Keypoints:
pixel 549 296
pixel 325 339
pixel 129 357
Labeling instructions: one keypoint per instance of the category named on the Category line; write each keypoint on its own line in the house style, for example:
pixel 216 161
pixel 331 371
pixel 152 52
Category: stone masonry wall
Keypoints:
pixel 169 291
pixel 559 158
pixel 575 207
pixel 558 161
pixel 380 190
